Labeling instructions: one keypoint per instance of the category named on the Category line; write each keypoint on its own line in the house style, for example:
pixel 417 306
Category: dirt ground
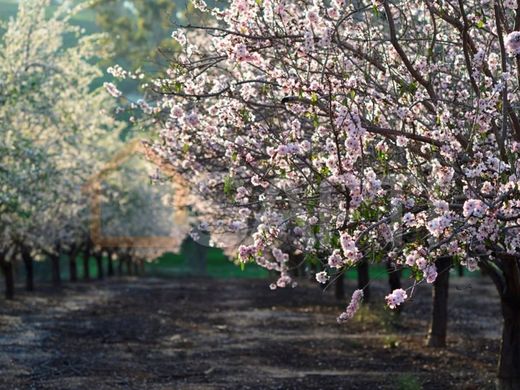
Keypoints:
pixel 151 333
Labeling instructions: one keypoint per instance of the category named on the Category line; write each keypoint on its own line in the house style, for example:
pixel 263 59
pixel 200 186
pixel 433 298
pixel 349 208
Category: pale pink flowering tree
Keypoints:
pixel 379 129
pixel 55 131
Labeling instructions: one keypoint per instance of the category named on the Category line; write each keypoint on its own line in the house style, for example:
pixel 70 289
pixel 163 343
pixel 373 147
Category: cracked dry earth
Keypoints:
pixel 151 333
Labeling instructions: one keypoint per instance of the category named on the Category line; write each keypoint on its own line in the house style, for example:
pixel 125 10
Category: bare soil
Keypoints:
pixel 152 333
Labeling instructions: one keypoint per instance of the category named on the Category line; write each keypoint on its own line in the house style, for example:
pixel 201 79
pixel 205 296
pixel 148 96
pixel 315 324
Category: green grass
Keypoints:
pixel 180 264
pixel 408 382
pixel 217 266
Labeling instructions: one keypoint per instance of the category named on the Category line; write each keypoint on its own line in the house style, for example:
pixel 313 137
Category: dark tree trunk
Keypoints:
pixel 295 261
pixel 55 270
pixel 198 253
pixel 120 266
pixel 394 276
pixel 339 288
pixel 135 268
pixel 509 363
pixel 129 269
pixel 460 270
pixel 141 267
pixel 99 262
pixel 312 273
pixel 110 270
pixel 364 279
pixel 8 271
pixel 29 270
pixel 86 266
pixel 439 318
pixel 394 280
pixel 73 267
pixel 506 277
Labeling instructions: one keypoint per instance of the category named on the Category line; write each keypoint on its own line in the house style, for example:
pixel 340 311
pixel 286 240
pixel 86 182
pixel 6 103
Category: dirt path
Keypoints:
pixel 214 334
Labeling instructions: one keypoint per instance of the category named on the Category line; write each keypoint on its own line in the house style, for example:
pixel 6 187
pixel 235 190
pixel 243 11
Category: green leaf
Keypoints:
pixel 314 99
pixel 229 186
pixel 311 259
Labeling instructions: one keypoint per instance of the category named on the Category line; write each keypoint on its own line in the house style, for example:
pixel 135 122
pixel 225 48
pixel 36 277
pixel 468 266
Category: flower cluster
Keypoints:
pixel 352 308
pixel 396 298
pixel 474 208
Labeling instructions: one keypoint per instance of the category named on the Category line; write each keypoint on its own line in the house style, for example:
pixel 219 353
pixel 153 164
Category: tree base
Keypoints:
pixel 434 341
pixel 507 384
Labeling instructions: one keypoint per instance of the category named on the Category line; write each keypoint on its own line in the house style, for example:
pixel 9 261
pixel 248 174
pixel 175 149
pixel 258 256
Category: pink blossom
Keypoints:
pixel 313 15
pixel 437 225
pixel 397 297
pixel 245 252
pixel 192 119
pixel 284 280
pixel 474 208
pixel 313 220
pixel 350 251
pixel 401 141
pixel 335 260
pixel 322 277
pixel 352 308
pixel 512 42
pixel 430 273
pixel 177 111
pixel 408 218
pixel 112 90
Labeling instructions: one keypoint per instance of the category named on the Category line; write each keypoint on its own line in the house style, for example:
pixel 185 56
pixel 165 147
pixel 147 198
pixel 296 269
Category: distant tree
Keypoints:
pixel 55 130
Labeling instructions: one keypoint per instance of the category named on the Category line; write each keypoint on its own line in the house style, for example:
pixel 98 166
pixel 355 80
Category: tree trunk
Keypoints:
pixel 295 261
pixel 394 276
pixel 129 269
pixel 29 270
pixel 439 318
pixel 394 280
pixel 120 266
pixel 509 363
pixel 339 288
pixel 110 271
pixel 506 277
pixel 55 268
pixel 73 267
pixel 99 262
pixel 135 268
pixel 86 266
pixel 364 279
pixel 200 258
pixel 8 271
pixel 141 267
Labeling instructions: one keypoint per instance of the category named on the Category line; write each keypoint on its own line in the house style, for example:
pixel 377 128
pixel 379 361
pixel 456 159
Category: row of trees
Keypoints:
pixel 355 132
pixel 57 133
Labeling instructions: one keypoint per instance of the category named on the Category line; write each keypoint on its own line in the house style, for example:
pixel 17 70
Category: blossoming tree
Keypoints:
pixel 362 130
pixel 54 133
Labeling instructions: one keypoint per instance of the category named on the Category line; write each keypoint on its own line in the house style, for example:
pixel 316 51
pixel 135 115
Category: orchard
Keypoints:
pixel 337 165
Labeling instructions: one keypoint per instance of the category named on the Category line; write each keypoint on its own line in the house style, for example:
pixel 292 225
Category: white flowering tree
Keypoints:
pixel 363 130
pixel 55 132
